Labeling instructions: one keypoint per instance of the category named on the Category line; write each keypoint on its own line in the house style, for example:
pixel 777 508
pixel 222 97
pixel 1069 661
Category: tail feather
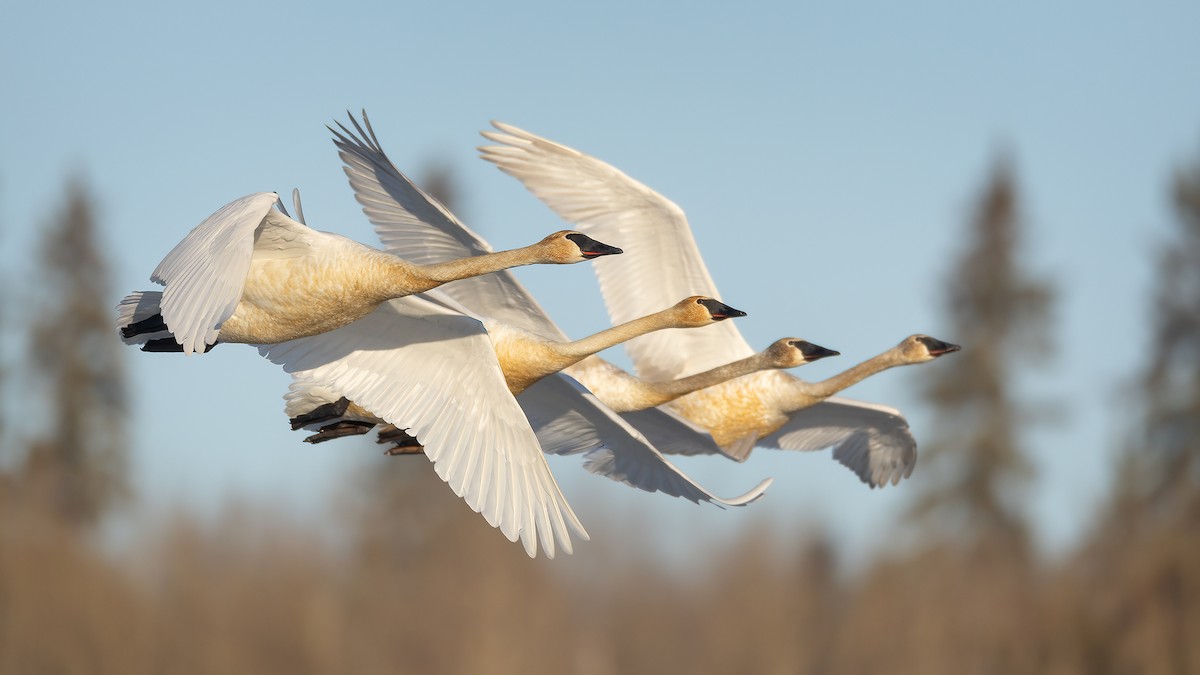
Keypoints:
pixel 141 323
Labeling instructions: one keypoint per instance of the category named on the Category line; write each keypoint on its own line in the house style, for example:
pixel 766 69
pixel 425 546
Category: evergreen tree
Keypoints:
pixel 6 448
pixel 1145 556
pixel 995 310
pixel 1164 466
pixel 77 469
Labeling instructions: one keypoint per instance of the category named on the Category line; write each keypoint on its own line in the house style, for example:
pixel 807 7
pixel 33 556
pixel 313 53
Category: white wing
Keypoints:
pixel 569 420
pixel 205 273
pixel 661 262
pixel 426 368
pixel 413 225
pixel 672 433
pixel 872 440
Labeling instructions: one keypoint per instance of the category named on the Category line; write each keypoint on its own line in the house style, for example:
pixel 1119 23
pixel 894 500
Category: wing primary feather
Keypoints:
pixel 529 519
pixel 545 533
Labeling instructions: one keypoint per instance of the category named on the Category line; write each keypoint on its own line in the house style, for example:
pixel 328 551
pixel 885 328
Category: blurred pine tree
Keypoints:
pixel 1001 317
pixel 77 470
pixel 1163 475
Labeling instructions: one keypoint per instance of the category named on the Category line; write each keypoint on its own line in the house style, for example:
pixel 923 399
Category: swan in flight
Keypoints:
pixel 249 273
pixel 786 412
pixel 770 408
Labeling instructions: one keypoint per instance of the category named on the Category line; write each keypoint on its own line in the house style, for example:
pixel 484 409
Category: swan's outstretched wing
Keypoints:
pixel 872 440
pixel 569 420
pixel 416 227
pixel 205 273
pixel 431 370
pixel 661 262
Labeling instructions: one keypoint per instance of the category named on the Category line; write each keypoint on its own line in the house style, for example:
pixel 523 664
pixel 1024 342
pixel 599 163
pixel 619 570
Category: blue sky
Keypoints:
pixel 827 157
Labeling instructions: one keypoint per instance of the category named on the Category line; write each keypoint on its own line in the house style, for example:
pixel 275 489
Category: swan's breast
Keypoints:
pixel 733 409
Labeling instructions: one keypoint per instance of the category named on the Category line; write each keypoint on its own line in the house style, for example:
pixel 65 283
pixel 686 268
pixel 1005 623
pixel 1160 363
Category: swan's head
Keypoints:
pixel 699 310
pixel 792 352
pixel 922 348
pixel 568 246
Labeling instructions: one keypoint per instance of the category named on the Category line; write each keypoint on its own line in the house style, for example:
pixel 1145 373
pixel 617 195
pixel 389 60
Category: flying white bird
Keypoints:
pixel 249 273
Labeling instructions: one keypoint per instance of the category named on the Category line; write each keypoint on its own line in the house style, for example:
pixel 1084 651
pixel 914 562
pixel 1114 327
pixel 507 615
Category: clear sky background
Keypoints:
pixel 827 156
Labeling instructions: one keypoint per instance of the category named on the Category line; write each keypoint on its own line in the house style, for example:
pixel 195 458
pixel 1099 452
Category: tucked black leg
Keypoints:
pixel 322 413
pixel 405 444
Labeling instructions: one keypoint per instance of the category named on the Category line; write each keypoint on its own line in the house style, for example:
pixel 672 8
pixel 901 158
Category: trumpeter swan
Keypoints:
pixel 249 273
pixel 783 413
pixel 872 440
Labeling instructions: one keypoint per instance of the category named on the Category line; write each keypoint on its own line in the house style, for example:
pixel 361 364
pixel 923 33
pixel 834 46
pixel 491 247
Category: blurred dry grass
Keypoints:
pixel 254 594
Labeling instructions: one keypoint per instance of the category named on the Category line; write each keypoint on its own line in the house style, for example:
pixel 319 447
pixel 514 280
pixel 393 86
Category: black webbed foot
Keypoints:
pixel 338 430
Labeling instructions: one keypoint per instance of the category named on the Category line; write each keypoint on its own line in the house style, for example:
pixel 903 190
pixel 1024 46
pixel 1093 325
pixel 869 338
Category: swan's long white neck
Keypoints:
pixel 804 394
pixel 578 350
pixel 658 393
pixel 411 278
pixel 525 361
